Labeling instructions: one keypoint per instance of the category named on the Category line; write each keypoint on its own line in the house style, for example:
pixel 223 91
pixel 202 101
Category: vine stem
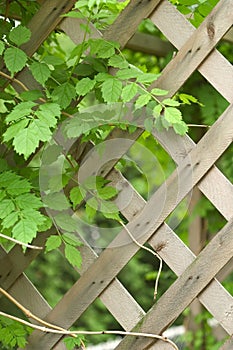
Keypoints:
pixel 19 242
pixel 150 251
pixel 75 333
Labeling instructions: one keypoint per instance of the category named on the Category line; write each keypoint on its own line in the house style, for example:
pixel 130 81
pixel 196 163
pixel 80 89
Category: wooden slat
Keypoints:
pixel 127 22
pixel 197 48
pixel 216 69
pixel 184 289
pixel 95 280
pixel 228 345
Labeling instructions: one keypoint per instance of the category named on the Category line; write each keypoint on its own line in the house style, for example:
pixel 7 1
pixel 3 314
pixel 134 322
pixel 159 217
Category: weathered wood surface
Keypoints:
pixel 113 259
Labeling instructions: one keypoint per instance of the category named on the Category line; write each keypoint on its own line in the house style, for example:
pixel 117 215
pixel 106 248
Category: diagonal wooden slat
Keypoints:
pixel 93 282
pixel 185 288
pixel 127 22
pixel 178 30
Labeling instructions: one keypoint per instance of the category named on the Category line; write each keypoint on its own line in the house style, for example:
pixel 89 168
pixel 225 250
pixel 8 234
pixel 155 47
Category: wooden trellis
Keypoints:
pixel 196 276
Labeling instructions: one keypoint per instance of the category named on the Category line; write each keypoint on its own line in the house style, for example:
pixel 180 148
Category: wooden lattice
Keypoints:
pixel 195 167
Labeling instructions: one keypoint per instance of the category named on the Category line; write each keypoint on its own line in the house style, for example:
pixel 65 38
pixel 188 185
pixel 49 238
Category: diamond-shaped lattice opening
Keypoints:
pixel 144 267
pixel 209 107
pixel 52 275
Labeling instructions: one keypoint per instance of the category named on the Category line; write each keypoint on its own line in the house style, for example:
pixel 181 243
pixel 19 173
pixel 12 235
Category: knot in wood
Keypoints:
pixel 211 30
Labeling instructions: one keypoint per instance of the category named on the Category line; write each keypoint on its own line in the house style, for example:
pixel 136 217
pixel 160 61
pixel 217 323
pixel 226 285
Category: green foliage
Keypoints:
pixel 12 333
pixel 71 342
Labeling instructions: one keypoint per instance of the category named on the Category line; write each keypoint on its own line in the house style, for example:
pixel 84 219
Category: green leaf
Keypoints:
pixel 94 182
pixel 159 92
pixel 35 216
pixel 40 72
pixel 65 222
pixel 53 242
pixel 31 95
pixel 103 76
pixel 41 129
pixel 2 47
pixel 63 94
pixel 48 112
pixel 147 78
pixel 149 124
pixel 18 186
pixel 107 192
pixel 172 115
pixel 14 129
pixel 91 208
pixel 84 86
pixel 73 255
pixel 110 210
pixel 26 142
pixel 15 59
pixel 74 14
pixel 77 194
pixel 20 35
pixel 6 207
pixel 53 60
pixel 72 342
pixel 170 102
pixel 118 61
pixel 180 128
pixel 71 239
pixel 25 230
pixel 28 201
pixel 128 73
pixel 21 110
pixel 102 48
pixel 56 201
pixel 157 110
pixel 45 225
pixel 128 92
pixel 142 100
pixel 111 90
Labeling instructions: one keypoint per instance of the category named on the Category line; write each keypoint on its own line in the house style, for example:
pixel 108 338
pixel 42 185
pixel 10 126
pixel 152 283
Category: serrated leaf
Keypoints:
pixel 6 207
pixel 170 102
pixel 63 94
pixel 91 208
pixel 14 129
pixel 15 59
pixel 159 92
pixel 107 192
pixel 40 72
pixel 111 90
pixel 26 142
pixel 20 35
pixel 73 255
pixel 74 14
pixel 18 186
pixel 35 216
pixel 128 92
pixel 147 78
pixel 41 129
pixel 48 112
pixel 142 100
pixel 72 342
pixel 2 47
pixel 180 128
pixel 172 115
pixel 56 201
pixel 45 225
pixel 28 201
pixel 118 61
pixel 77 194
pixel 25 230
pixel 102 48
pixel 84 86
pixel 65 222
pixel 110 210
pixel 103 76
pixel 53 242
pixel 21 110
pixel 71 239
